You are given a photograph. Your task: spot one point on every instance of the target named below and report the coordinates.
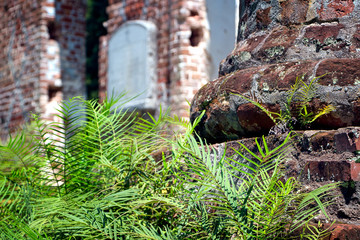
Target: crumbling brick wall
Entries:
(277, 42)
(21, 39)
(70, 23)
(43, 58)
(182, 33)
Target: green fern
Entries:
(259, 207)
(106, 173)
(300, 95)
(98, 151)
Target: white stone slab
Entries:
(132, 63)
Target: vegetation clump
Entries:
(295, 113)
(100, 175)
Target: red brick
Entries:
(323, 32)
(344, 232)
(329, 170)
(336, 9)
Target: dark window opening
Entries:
(193, 13)
(51, 30)
(52, 91)
(196, 36)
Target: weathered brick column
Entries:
(278, 41)
(42, 58)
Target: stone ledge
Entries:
(320, 155)
(230, 117)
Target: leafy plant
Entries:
(107, 173)
(299, 97)
(83, 172)
(246, 196)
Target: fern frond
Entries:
(16, 209)
(150, 232)
(310, 204)
(327, 109)
(19, 148)
(19, 230)
(307, 91)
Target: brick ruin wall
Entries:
(182, 60)
(21, 40)
(43, 58)
(70, 33)
(43, 61)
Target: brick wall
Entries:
(70, 30)
(21, 38)
(182, 35)
(43, 60)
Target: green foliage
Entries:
(9, 162)
(245, 196)
(106, 173)
(295, 112)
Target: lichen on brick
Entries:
(274, 52)
(245, 56)
(330, 43)
(265, 87)
(310, 41)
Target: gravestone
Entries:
(132, 63)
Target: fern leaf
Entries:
(327, 109)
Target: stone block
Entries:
(228, 116)
(330, 170)
(336, 9)
(347, 141)
(322, 32)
